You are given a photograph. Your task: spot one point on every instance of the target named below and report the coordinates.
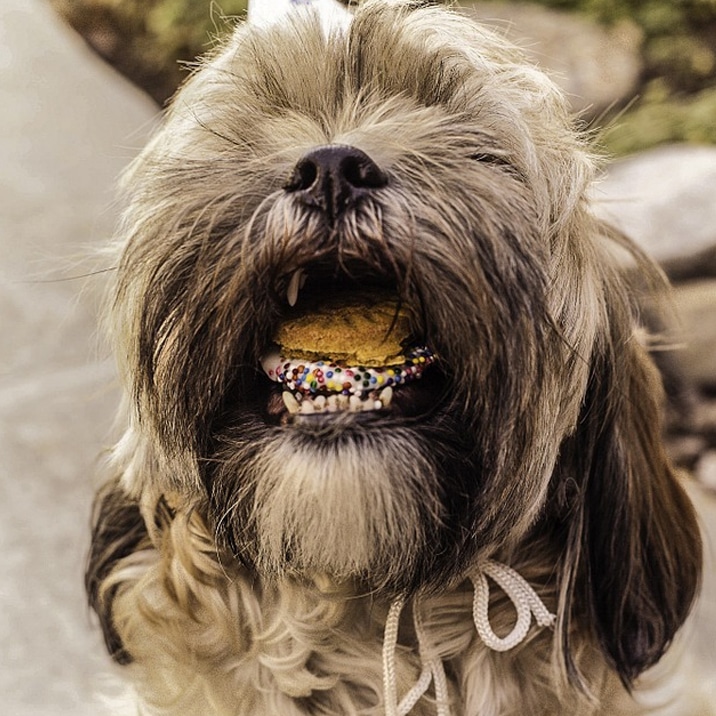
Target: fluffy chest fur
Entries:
(228, 643)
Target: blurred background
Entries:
(660, 79)
(82, 83)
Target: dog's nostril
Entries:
(333, 177)
(303, 177)
(360, 171)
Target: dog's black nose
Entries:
(334, 177)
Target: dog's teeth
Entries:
(385, 396)
(297, 281)
(299, 404)
(290, 402)
(270, 362)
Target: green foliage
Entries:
(150, 40)
(679, 35)
(187, 23)
(662, 118)
(677, 102)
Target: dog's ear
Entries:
(633, 556)
(118, 530)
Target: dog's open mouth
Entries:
(349, 349)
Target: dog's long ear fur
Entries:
(118, 530)
(634, 550)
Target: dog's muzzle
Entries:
(346, 342)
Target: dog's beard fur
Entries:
(347, 494)
(538, 422)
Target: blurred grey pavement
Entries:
(68, 124)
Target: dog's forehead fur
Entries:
(397, 82)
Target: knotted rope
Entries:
(526, 602)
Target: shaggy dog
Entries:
(276, 541)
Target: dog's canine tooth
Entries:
(298, 280)
(289, 400)
(385, 396)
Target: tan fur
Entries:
(244, 561)
(222, 641)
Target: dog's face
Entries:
(416, 160)
(404, 160)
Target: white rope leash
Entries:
(390, 642)
(522, 596)
(432, 670)
(520, 593)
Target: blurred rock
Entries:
(665, 199)
(686, 450)
(705, 418)
(706, 469)
(596, 67)
(696, 309)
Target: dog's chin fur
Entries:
(328, 505)
(244, 559)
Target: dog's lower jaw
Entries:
(360, 504)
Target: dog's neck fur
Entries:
(313, 646)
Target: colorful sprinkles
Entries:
(326, 378)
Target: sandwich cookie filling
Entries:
(326, 386)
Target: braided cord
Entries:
(390, 643)
(526, 602)
(523, 597)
